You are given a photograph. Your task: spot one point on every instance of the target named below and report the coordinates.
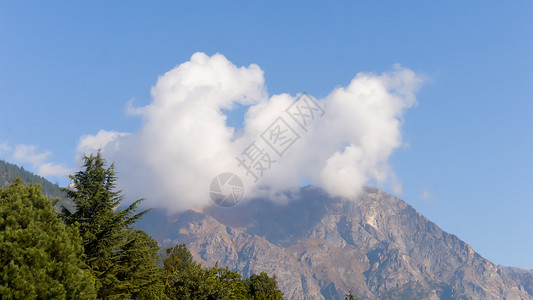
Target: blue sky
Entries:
(68, 70)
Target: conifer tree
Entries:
(138, 272)
(40, 257)
(107, 231)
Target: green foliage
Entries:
(350, 296)
(40, 257)
(137, 271)
(109, 241)
(178, 258)
(8, 173)
(263, 287)
(97, 253)
(186, 279)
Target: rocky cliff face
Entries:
(320, 248)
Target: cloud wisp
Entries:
(184, 140)
(29, 154)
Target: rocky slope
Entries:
(320, 248)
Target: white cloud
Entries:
(28, 154)
(131, 109)
(38, 160)
(426, 196)
(93, 143)
(184, 141)
(4, 148)
(52, 169)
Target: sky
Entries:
(454, 80)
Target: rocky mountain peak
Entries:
(321, 247)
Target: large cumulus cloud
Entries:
(184, 140)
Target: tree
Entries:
(186, 279)
(40, 257)
(106, 231)
(350, 296)
(263, 287)
(137, 271)
(8, 173)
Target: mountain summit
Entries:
(321, 247)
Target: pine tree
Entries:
(8, 173)
(40, 257)
(106, 231)
(137, 267)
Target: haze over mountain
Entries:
(320, 247)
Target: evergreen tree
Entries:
(40, 257)
(106, 231)
(263, 287)
(138, 273)
(8, 173)
(186, 279)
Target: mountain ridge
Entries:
(9, 172)
(321, 247)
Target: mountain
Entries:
(9, 171)
(321, 247)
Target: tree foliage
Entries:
(350, 296)
(137, 271)
(8, 173)
(263, 287)
(96, 251)
(122, 260)
(186, 279)
(40, 257)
